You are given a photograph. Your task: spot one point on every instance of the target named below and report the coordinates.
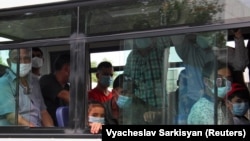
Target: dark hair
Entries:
(212, 66)
(118, 82)
(37, 49)
(92, 104)
(125, 82)
(182, 76)
(61, 60)
(104, 64)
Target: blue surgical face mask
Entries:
(123, 101)
(239, 109)
(106, 80)
(96, 119)
(143, 42)
(222, 91)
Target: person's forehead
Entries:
(22, 52)
(97, 110)
(36, 52)
(225, 72)
(107, 70)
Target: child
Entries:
(237, 101)
(96, 112)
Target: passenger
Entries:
(182, 105)
(124, 107)
(177, 99)
(203, 111)
(197, 49)
(55, 87)
(104, 76)
(96, 112)
(31, 108)
(145, 66)
(237, 100)
(37, 61)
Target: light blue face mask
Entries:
(143, 42)
(96, 119)
(222, 91)
(123, 101)
(240, 109)
(106, 80)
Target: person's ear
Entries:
(206, 81)
(97, 75)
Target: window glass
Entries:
(31, 25)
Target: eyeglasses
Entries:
(221, 81)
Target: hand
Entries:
(149, 116)
(95, 127)
(31, 124)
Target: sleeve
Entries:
(7, 99)
(49, 88)
(239, 55)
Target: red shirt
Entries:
(97, 95)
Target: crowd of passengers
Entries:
(137, 96)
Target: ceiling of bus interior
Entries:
(115, 17)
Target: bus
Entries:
(92, 31)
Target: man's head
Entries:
(62, 66)
(217, 75)
(104, 74)
(22, 56)
(237, 99)
(37, 57)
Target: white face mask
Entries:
(24, 69)
(37, 62)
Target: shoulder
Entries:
(47, 78)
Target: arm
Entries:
(21, 121)
(95, 127)
(46, 119)
(240, 53)
(64, 95)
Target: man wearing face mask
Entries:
(145, 66)
(124, 107)
(237, 100)
(37, 61)
(31, 108)
(217, 78)
(104, 76)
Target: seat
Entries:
(62, 116)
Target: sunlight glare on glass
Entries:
(2, 39)
(14, 3)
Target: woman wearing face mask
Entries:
(124, 107)
(237, 101)
(216, 83)
(96, 112)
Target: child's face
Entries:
(235, 99)
(97, 112)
